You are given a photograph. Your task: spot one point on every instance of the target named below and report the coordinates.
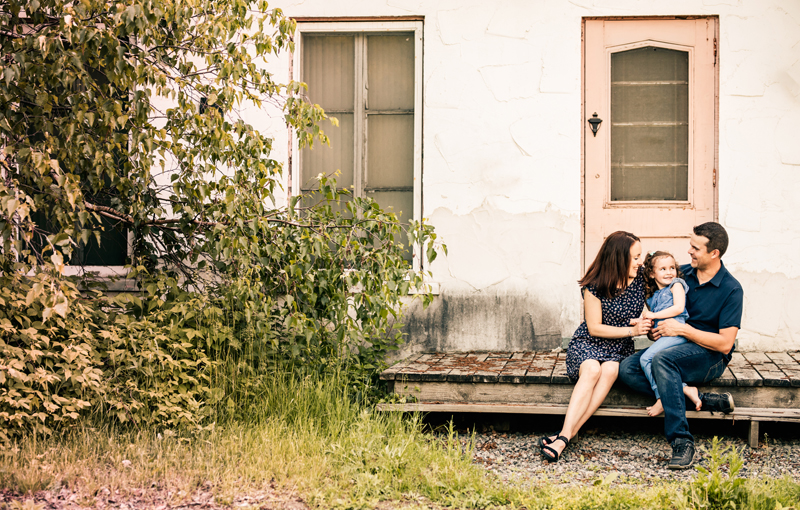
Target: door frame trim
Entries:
(716, 171)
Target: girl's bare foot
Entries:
(655, 409)
(694, 396)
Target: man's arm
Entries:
(720, 342)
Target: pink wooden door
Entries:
(650, 167)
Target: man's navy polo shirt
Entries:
(716, 304)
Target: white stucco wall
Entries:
(502, 160)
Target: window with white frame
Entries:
(368, 76)
(104, 253)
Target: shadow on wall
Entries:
(481, 322)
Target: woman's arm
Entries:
(679, 304)
(594, 321)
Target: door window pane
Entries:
(650, 125)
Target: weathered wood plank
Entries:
(745, 370)
(767, 369)
(514, 371)
(726, 379)
(460, 375)
(793, 375)
(745, 374)
(783, 359)
(560, 370)
(756, 358)
(620, 395)
(528, 355)
(788, 365)
(489, 370)
(389, 373)
(745, 413)
(541, 368)
(431, 374)
(752, 436)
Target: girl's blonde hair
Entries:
(649, 262)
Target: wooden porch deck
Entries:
(765, 386)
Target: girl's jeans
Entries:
(665, 342)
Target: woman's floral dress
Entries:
(617, 311)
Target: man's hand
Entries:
(668, 327)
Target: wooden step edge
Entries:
(741, 413)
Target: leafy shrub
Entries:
(48, 369)
(713, 489)
(65, 355)
(232, 286)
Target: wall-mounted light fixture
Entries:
(595, 122)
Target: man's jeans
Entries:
(688, 363)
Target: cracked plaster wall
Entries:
(501, 167)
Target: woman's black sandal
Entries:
(545, 440)
(556, 455)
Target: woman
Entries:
(616, 297)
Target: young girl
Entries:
(666, 298)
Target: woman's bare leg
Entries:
(588, 377)
(608, 374)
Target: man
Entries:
(714, 303)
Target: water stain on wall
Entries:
(485, 322)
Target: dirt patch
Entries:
(152, 499)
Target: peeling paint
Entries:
(502, 157)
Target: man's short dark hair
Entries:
(716, 235)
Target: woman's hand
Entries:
(641, 326)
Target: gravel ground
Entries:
(622, 457)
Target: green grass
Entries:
(308, 436)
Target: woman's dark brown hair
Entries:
(609, 271)
(650, 285)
